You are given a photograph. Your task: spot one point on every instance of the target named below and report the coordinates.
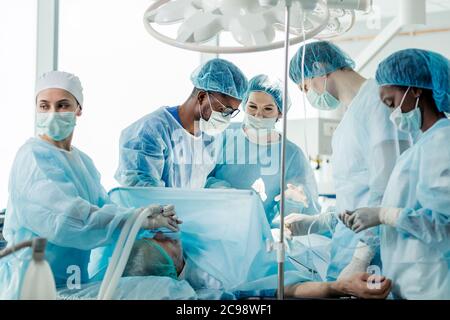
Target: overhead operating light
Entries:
(255, 25)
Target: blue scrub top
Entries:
(174, 112)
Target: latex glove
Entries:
(360, 261)
(260, 188)
(365, 218)
(297, 224)
(158, 217)
(361, 219)
(294, 193)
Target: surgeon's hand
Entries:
(297, 224)
(294, 193)
(361, 219)
(159, 217)
(366, 286)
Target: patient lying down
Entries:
(162, 255)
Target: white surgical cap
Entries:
(60, 80)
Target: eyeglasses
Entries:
(227, 111)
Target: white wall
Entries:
(434, 38)
(17, 75)
(272, 63)
(125, 72)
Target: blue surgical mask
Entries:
(409, 122)
(162, 266)
(56, 125)
(259, 123)
(324, 101)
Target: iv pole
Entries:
(281, 247)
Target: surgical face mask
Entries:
(216, 124)
(409, 122)
(56, 125)
(259, 123)
(324, 101)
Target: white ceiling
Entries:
(390, 7)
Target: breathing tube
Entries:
(122, 251)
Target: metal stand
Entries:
(280, 246)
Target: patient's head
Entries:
(161, 255)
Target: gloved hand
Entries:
(364, 218)
(360, 261)
(295, 193)
(297, 224)
(158, 217)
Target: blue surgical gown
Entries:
(248, 165)
(156, 151)
(57, 195)
(365, 149)
(416, 252)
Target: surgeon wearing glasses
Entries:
(177, 146)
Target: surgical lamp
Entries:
(38, 281)
(254, 26)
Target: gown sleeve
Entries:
(299, 173)
(142, 158)
(46, 201)
(429, 220)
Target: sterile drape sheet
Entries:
(224, 233)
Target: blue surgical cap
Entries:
(420, 69)
(220, 76)
(321, 58)
(272, 87)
